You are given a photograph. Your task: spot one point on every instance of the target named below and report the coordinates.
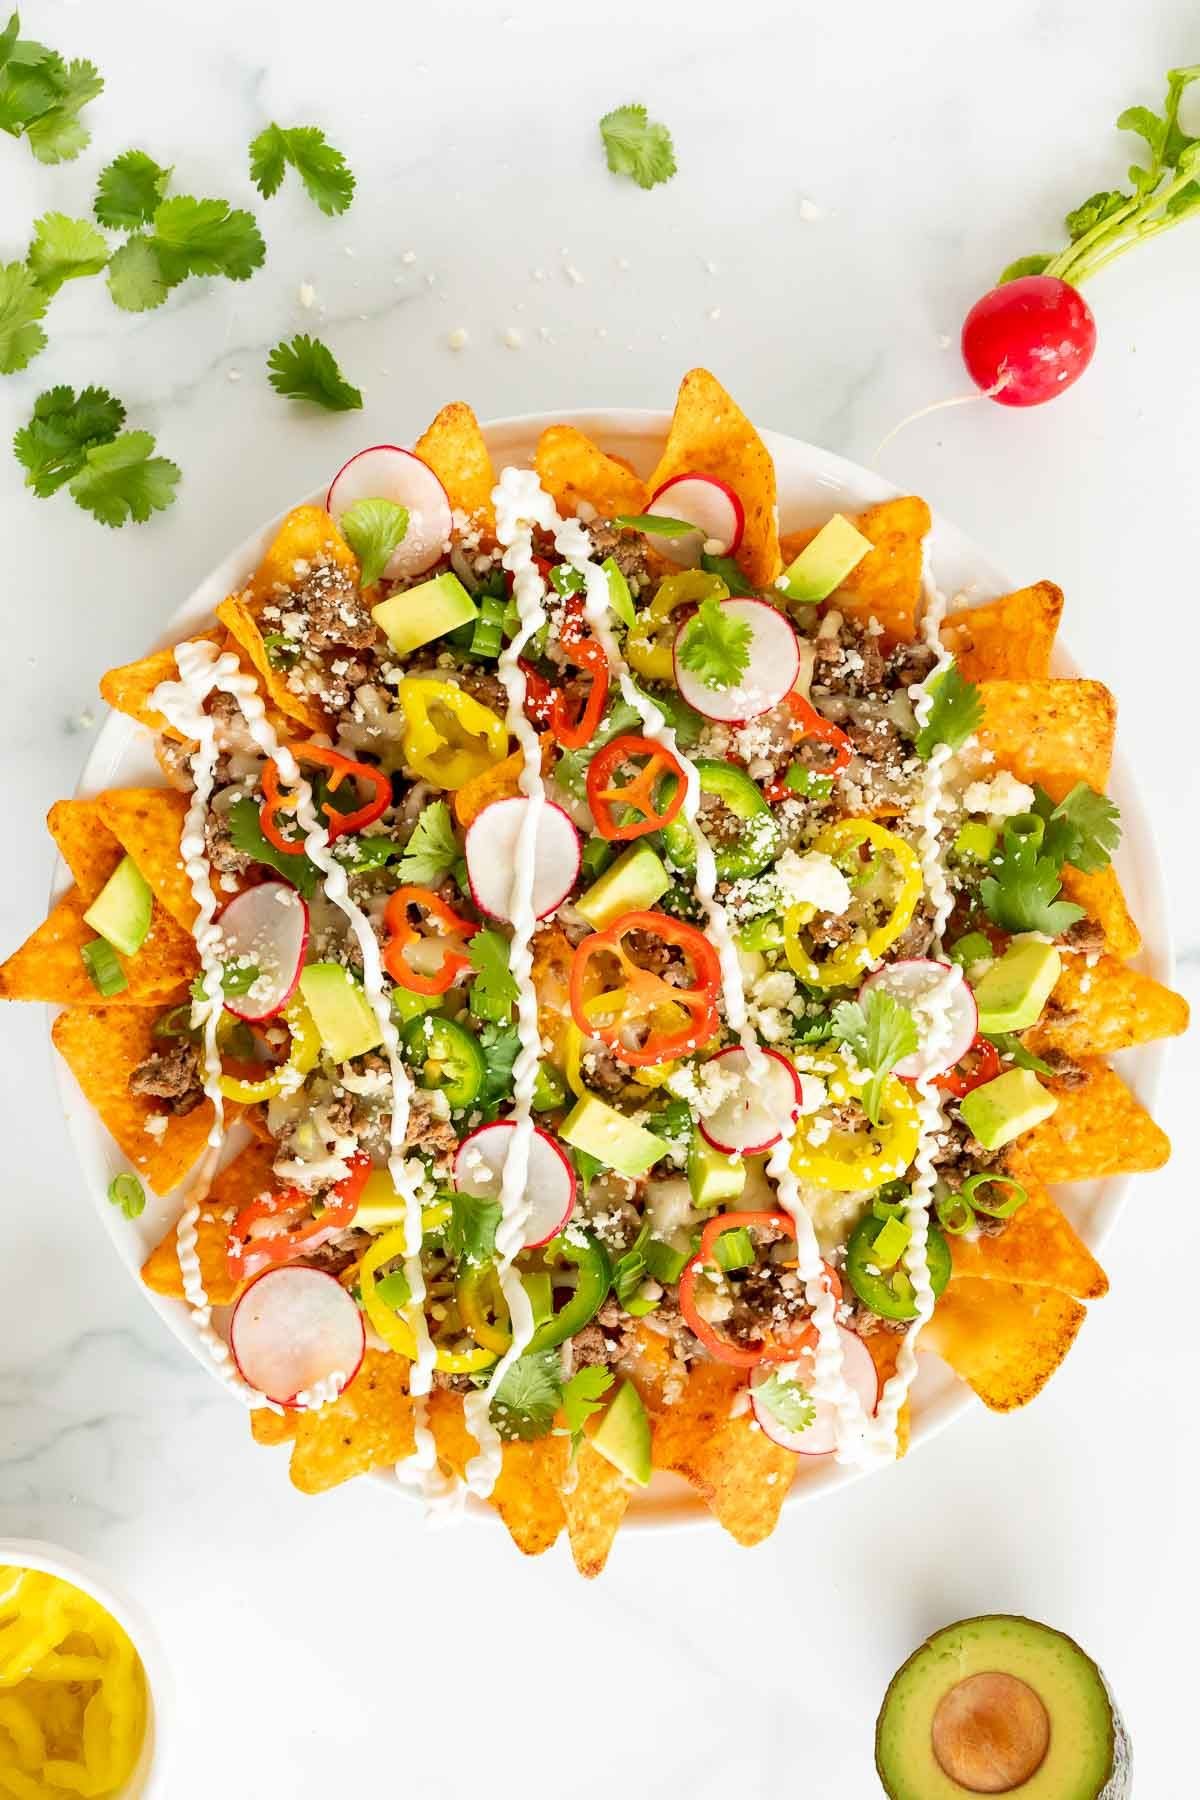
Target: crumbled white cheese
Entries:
(1003, 795)
(813, 879)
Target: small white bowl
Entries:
(149, 1778)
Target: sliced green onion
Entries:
(972, 949)
(765, 933)
(101, 962)
(974, 1185)
(653, 525)
(975, 842)
(1026, 828)
(487, 636)
(127, 1192)
(177, 1023)
(735, 1250)
(888, 1209)
(548, 1088)
(666, 1264)
(955, 1215)
(891, 1241)
(407, 1006)
(639, 1305)
(540, 1288)
(394, 1290)
(803, 780)
(619, 596)
(597, 854)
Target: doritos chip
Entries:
(1011, 637)
(238, 1183)
(1101, 898)
(238, 616)
(1052, 732)
(368, 1426)
(1102, 1006)
(884, 1347)
(527, 1494)
(1038, 1245)
(85, 843)
(147, 822)
(740, 1473)
(501, 782)
(886, 585)
(1004, 1338)
(103, 1045)
(1100, 1128)
(128, 689)
(595, 1498)
(49, 965)
(456, 451)
(307, 536)
(573, 469)
(710, 435)
(267, 1427)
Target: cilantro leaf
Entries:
(206, 237)
(879, 1031)
(306, 370)
(64, 249)
(246, 835)
(136, 282)
(63, 428)
(715, 645)
(528, 1397)
(956, 712)
(373, 529)
(129, 191)
(788, 1401)
(41, 96)
(22, 304)
(322, 169)
(493, 991)
(58, 135)
(1010, 1045)
(1021, 892)
(637, 147)
(124, 480)
(730, 574)
(653, 525)
(471, 1228)
(432, 850)
(683, 719)
(582, 1398)
(500, 1045)
(1083, 829)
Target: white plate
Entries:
(812, 484)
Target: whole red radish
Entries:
(1028, 340)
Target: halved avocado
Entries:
(1001, 1705)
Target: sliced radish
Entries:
(385, 472)
(708, 504)
(748, 1120)
(770, 673)
(491, 851)
(549, 1182)
(920, 984)
(819, 1438)
(297, 1336)
(266, 926)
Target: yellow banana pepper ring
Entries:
(393, 1327)
(449, 737)
(849, 1160)
(302, 1056)
(840, 842)
(648, 648)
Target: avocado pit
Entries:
(990, 1733)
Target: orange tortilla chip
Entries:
(368, 1426)
(742, 1476)
(1005, 1339)
(85, 843)
(527, 1494)
(103, 1045)
(595, 1497)
(1052, 732)
(148, 823)
(886, 585)
(1101, 898)
(238, 616)
(884, 1347)
(238, 1183)
(573, 469)
(1100, 1007)
(711, 435)
(456, 451)
(1100, 1128)
(648, 1363)
(49, 965)
(501, 782)
(267, 1427)
(1011, 637)
(128, 689)
(1038, 1245)
(308, 535)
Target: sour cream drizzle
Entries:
(521, 503)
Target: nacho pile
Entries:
(758, 901)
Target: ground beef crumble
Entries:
(172, 1076)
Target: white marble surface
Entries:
(324, 1646)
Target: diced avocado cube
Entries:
(1012, 993)
(1001, 1110)
(824, 564)
(623, 1435)
(421, 613)
(380, 1206)
(634, 882)
(712, 1176)
(341, 1011)
(619, 1143)
(121, 910)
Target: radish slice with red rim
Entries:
(770, 673)
(267, 928)
(819, 1438)
(922, 984)
(746, 1121)
(386, 472)
(550, 1182)
(708, 504)
(297, 1336)
(491, 852)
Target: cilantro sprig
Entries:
(528, 1397)
(715, 645)
(787, 1400)
(493, 991)
(76, 439)
(471, 1228)
(637, 146)
(1083, 829)
(1163, 189)
(42, 96)
(306, 369)
(129, 191)
(582, 1398)
(956, 712)
(1021, 892)
(374, 529)
(22, 307)
(64, 249)
(323, 170)
(879, 1031)
(432, 850)
(181, 237)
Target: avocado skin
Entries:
(1118, 1784)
